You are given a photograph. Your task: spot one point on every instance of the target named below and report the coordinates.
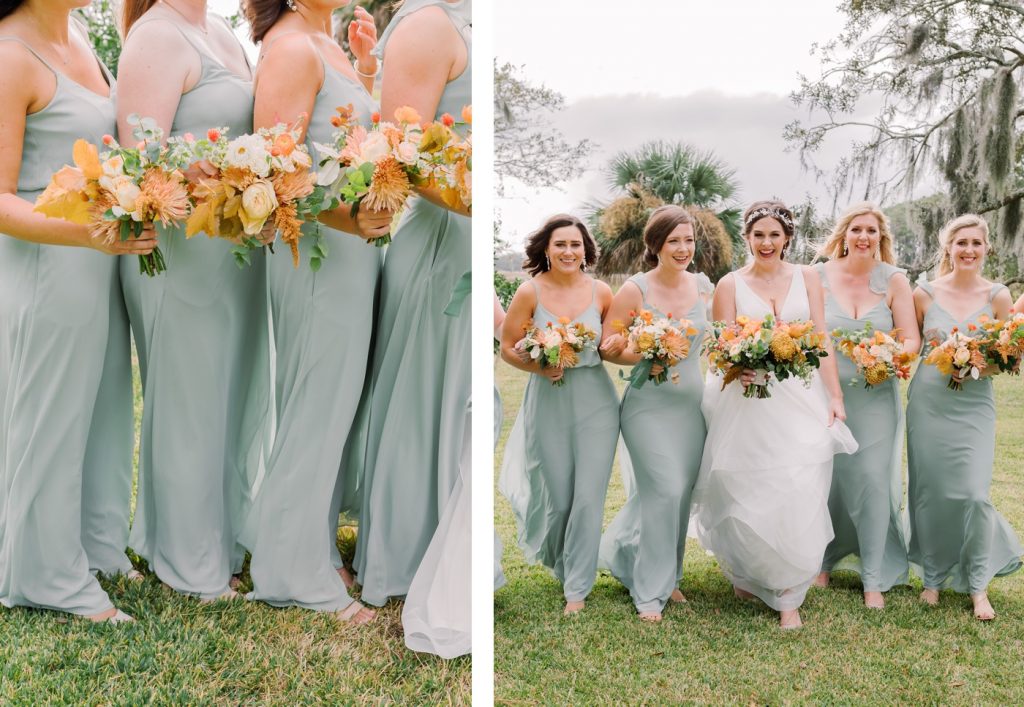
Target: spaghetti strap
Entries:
(172, 23)
(996, 287)
(22, 42)
(593, 292)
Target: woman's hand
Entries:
(836, 410)
(362, 39)
(614, 345)
(656, 370)
(268, 234)
(522, 353)
(748, 377)
(553, 373)
(145, 244)
(373, 224)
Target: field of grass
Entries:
(180, 651)
(719, 649)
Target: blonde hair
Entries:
(834, 246)
(946, 238)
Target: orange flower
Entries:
(467, 114)
(162, 196)
(389, 187)
(564, 320)
(284, 145)
(448, 120)
(407, 114)
(87, 159)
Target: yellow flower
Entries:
(645, 341)
(258, 202)
(783, 347)
(876, 374)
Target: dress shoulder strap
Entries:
(37, 55)
(457, 13)
(640, 280)
(996, 287)
(822, 275)
(878, 281)
(704, 285)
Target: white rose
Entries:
(124, 191)
(961, 356)
(407, 153)
(258, 202)
(374, 148)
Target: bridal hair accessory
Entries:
(771, 213)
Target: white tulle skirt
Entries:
(437, 617)
(761, 501)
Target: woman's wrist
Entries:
(367, 69)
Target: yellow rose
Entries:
(645, 341)
(258, 202)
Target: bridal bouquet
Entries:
(117, 191)
(879, 356)
(240, 185)
(959, 356)
(785, 349)
(378, 167)
(557, 346)
(1004, 344)
(658, 341)
(449, 158)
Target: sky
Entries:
(717, 75)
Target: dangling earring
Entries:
(846, 248)
(583, 268)
(291, 5)
(547, 260)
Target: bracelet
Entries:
(355, 66)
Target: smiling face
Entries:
(766, 239)
(677, 251)
(967, 249)
(565, 250)
(863, 236)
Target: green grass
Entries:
(719, 649)
(180, 651)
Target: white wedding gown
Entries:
(761, 501)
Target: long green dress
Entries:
(55, 304)
(958, 540)
(867, 486)
(663, 430)
(414, 413)
(201, 331)
(322, 325)
(558, 459)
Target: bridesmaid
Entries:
(956, 534)
(559, 455)
(322, 322)
(419, 389)
(863, 286)
(662, 426)
(55, 308)
(200, 328)
(1018, 306)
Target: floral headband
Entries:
(764, 211)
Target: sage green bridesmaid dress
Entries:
(663, 430)
(558, 459)
(201, 331)
(55, 304)
(414, 413)
(867, 486)
(322, 325)
(957, 537)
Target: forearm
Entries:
(18, 220)
(433, 195)
(511, 356)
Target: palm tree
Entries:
(668, 173)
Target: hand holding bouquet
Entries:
(557, 346)
(785, 349)
(658, 341)
(116, 192)
(879, 356)
(959, 356)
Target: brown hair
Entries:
(950, 230)
(261, 16)
(537, 244)
(774, 210)
(132, 11)
(9, 6)
(662, 221)
(833, 247)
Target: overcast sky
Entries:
(717, 75)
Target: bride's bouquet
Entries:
(658, 341)
(960, 356)
(557, 346)
(769, 347)
(117, 191)
(878, 356)
(1004, 344)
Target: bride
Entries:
(761, 500)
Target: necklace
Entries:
(182, 15)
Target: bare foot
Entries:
(789, 620)
(573, 607)
(111, 616)
(346, 577)
(677, 596)
(133, 575)
(874, 600)
(821, 580)
(742, 594)
(930, 597)
(356, 614)
(983, 610)
(229, 595)
(651, 617)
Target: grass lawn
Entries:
(719, 649)
(182, 652)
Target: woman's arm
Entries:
(829, 368)
(723, 302)
(289, 78)
(1018, 306)
(904, 313)
(614, 345)
(520, 311)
